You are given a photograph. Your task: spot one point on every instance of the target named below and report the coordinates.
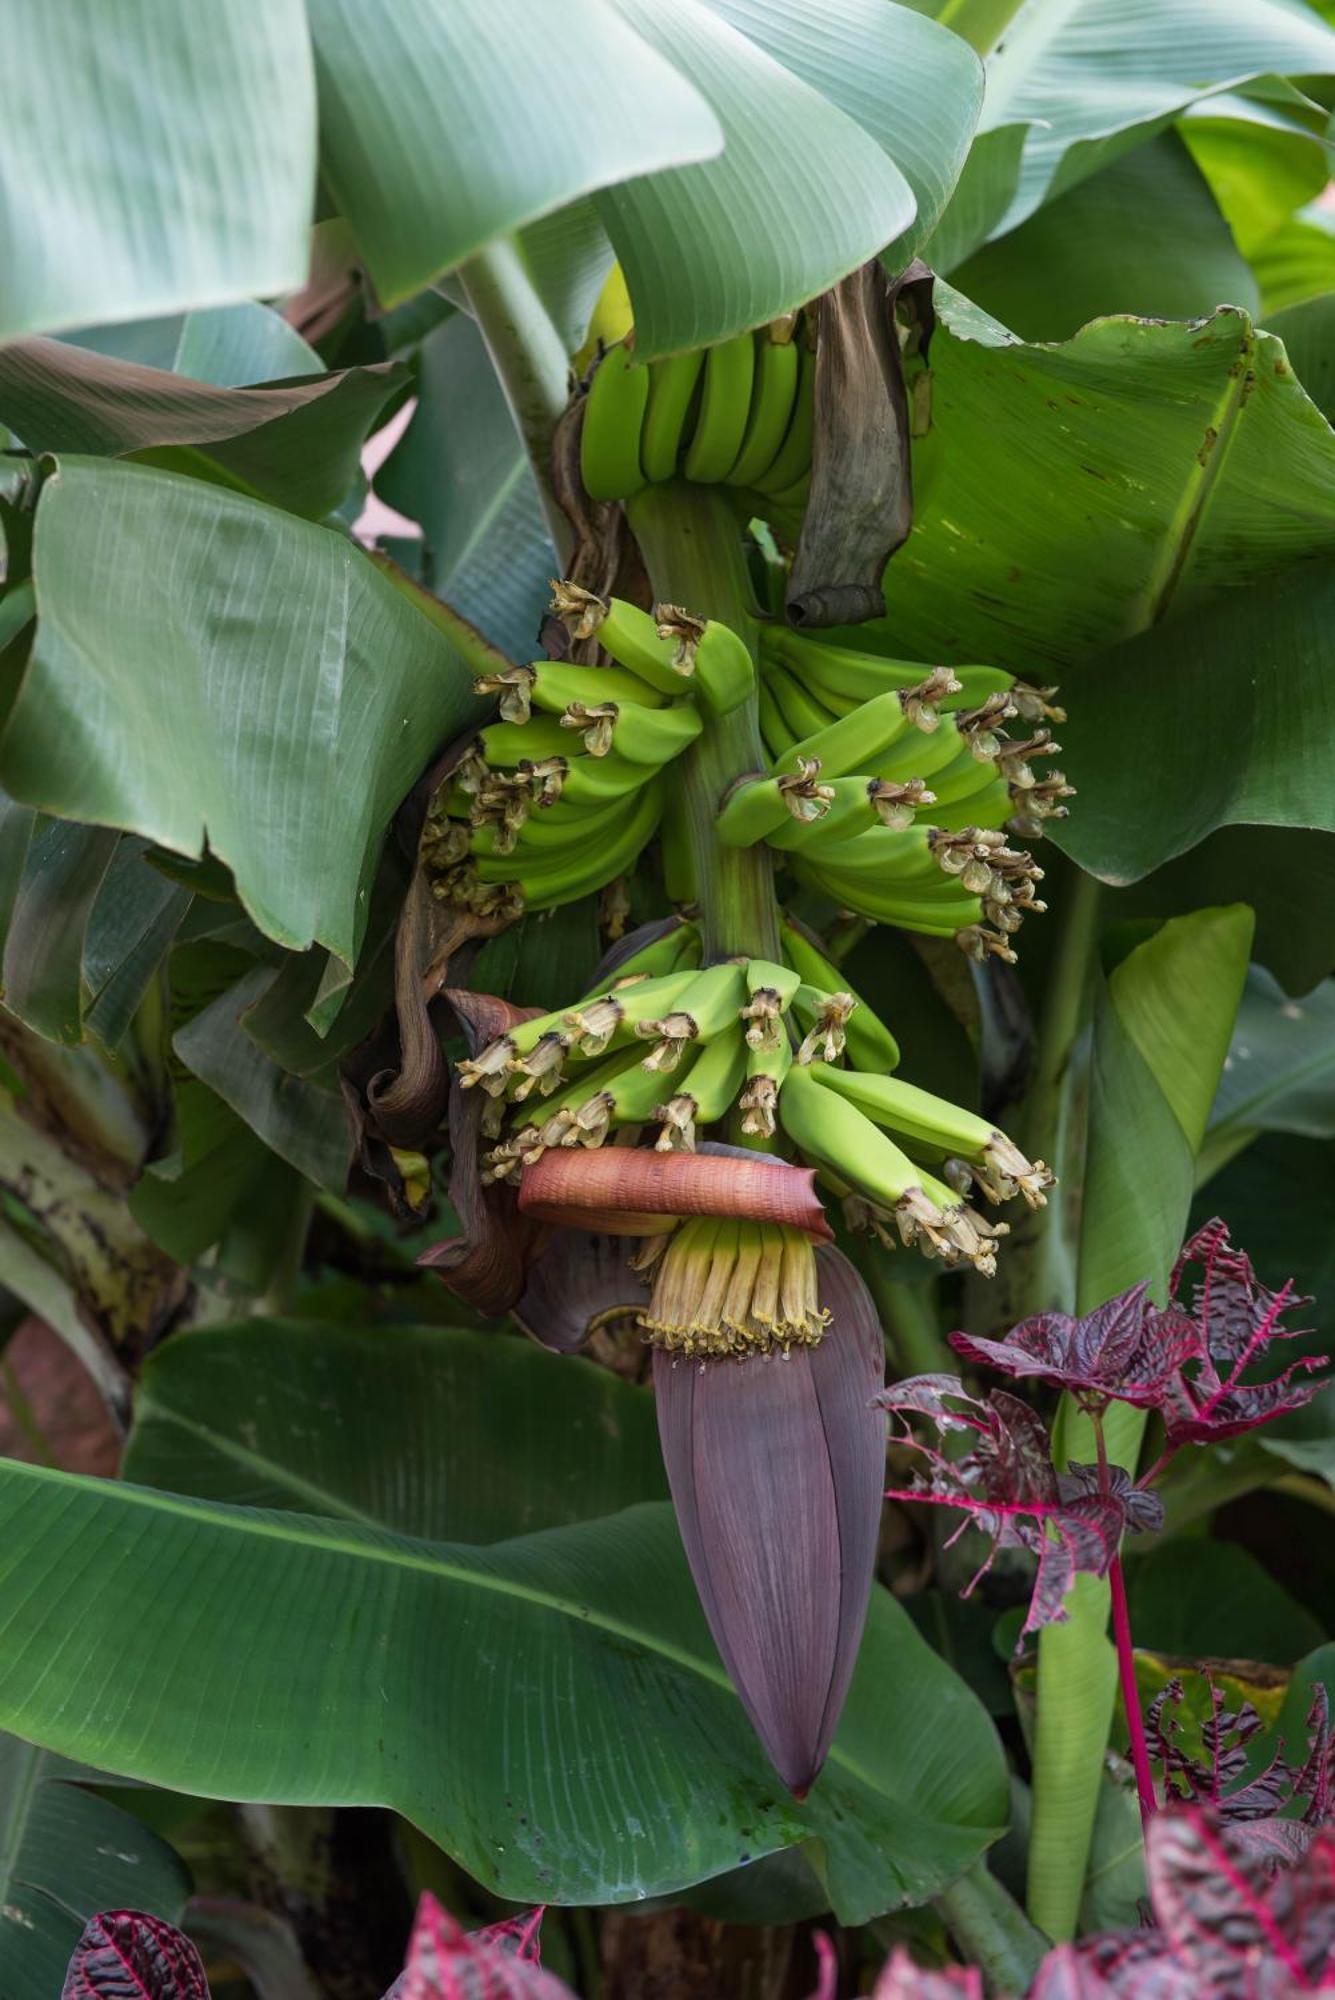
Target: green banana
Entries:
(625, 632)
(712, 1002)
(867, 1040)
(773, 398)
(725, 403)
(859, 741)
(579, 1112)
(774, 732)
(505, 745)
(672, 386)
(889, 858)
(992, 806)
(833, 1134)
(855, 676)
(609, 450)
(770, 989)
(912, 755)
(857, 805)
(556, 683)
(757, 809)
(944, 1131)
(592, 780)
(792, 461)
(717, 658)
(706, 1093)
(803, 712)
(766, 1068)
(561, 825)
(942, 918)
(652, 736)
(546, 882)
(612, 1017)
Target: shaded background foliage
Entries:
(257, 235)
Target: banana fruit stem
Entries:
(692, 548)
(530, 360)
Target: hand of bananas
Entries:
(738, 414)
(559, 797)
(672, 1044)
(895, 789)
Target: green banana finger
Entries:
(592, 780)
(706, 1093)
(778, 365)
(766, 1068)
(756, 808)
(858, 805)
(857, 742)
(830, 1132)
(867, 1040)
(803, 712)
(717, 658)
(561, 825)
(650, 736)
(857, 676)
(625, 632)
(990, 807)
(544, 882)
(505, 745)
(912, 755)
(556, 683)
(672, 386)
(771, 989)
(943, 1131)
(725, 404)
(775, 734)
(609, 450)
(792, 461)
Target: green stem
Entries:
(991, 1929)
(907, 1314)
(692, 547)
(529, 358)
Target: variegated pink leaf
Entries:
(500, 1962)
(126, 1955)
(901, 1979)
(1238, 1320)
(1247, 1930)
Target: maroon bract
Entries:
(1237, 1320)
(126, 1955)
(776, 1464)
(1008, 1486)
(1123, 1349)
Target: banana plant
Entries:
(554, 1038)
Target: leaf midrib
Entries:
(19, 1807)
(396, 1555)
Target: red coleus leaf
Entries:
(125, 1955)
(445, 1962)
(1237, 1320)
(1008, 1486)
(1218, 1778)
(776, 1464)
(1124, 1349)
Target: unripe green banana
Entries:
(828, 1131)
(992, 806)
(867, 1040)
(651, 736)
(897, 860)
(630, 636)
(609, 452)
(672, 387)
(770, 989)
(717, 658)
(725, 404)
(773, 398)
(857, 742)
(804, 713)
(858, 805)
(766, 1068)
(505, 745)
(756, 808)
(775, 734)
(914, 1114)
(856, 676)
(593, 780)
(792, 462)
(912, 755)
(964, 777)
(943, 918)
(556, 683)
(548, 880)
(560, 826)
(706, 1093)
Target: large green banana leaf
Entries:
(884, 101)
(550, 1709)
(1190, 458)
(1096, 76)
(1240, 695)
(443, 126)
(207, 668)
(294, 443)
(460, 1436)
(177, 158)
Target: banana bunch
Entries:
(738, 414)
(895, 790)
(672, 1046)
(561, 794)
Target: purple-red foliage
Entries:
(1010, 1488)
(126, 1955)
(1124, 1349)
(1257, 1806)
